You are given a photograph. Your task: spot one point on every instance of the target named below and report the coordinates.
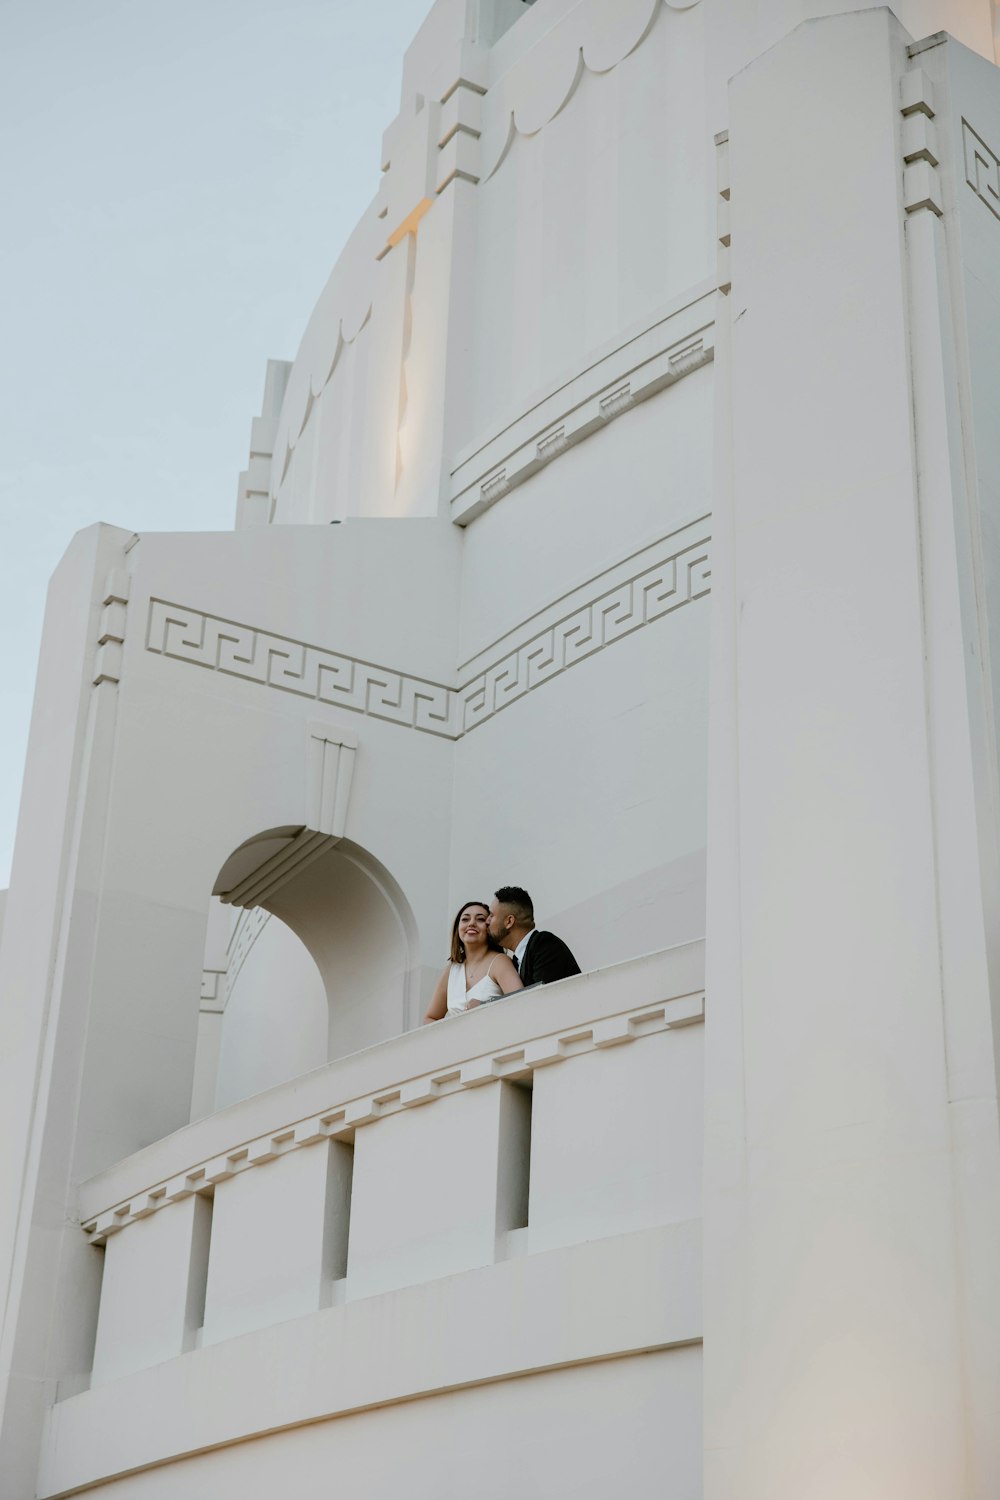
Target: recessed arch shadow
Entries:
(349, 913)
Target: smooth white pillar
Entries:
(837, 1248)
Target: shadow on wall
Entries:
(318, 963)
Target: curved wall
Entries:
(518, 336)
(563, 271)
(547, 185)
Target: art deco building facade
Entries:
(627, 526)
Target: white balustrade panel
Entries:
(279, 1236)
(616, 1140)
(437, 1188)
(153, 1289)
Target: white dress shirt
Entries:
(522, 948)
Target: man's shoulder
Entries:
(548, 958)
(548, 938)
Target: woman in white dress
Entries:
(479, 971)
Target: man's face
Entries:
(501, 921)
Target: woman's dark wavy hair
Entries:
(457, 946)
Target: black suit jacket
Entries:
(546, 959)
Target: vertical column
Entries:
(953, 260)
(49, 1276)
(833, 1335)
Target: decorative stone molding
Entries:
(460, 127)
(647, 587)
(249, 926)
(723, 256)
(254, 506)
(241, 650)
(409, 172)
(680, 339)
(111, 628)
(268, 878)
(462, 135)
(622, 599)
(213, 990)
(342, 312)
(595, 36)
(343, 1118)
(922, 187)
(982, 169)
(332, 750)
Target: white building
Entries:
(654, 400)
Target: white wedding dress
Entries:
(482, 991)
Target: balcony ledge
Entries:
(509, 1039)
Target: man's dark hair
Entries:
(517, 898)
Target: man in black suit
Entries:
(539, 957)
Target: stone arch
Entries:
(357, 928)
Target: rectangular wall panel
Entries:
(436, 1188)
(278, 1240)
(616, 1140)
(153, 1289)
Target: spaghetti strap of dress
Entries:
(482, 992)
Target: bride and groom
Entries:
(480, 971)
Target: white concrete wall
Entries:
(850, 1070)
(506, 396)
(583, 202)
(275, 1023)
(446, 1444)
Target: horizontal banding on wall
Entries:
(680, 339)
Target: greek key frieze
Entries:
(240, 650)
(657, 590)
(617, 608)
(982, 169)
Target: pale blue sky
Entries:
(178, 177)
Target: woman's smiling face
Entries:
(472, 924)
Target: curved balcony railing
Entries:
(551, 1141)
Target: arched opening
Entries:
(357, 925)
(319, 962)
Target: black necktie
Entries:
(517, 966)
